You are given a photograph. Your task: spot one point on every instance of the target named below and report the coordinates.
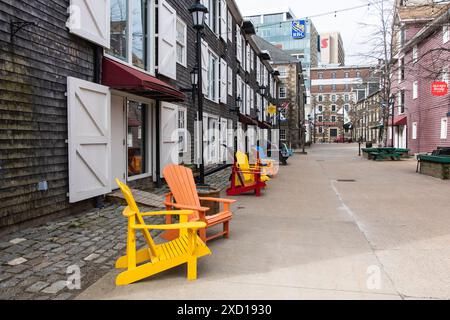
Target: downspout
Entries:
(97, 78)
(158, 182)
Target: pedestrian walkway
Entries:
(330, 226)
(36, 263)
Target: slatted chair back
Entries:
(182, 185)
(244, 165)
(135, 214)
(262, 153)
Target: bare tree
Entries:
(380, 49)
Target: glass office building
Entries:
(277, 28)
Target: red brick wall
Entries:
(426, 110)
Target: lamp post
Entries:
(392, 105)
(198, 12)
(237, 110)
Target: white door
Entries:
(118, 141)
(169, 135)
(213, 138)
(241, 138)
(89, 131)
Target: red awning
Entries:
(121, 77)
(400, 120)
(264, 125)
(247, 120)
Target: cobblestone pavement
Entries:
(37, 263)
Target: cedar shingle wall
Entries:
(33, 108)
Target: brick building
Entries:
(367, 119)
(334, 92)
(92, 91)
(422, 57)
(291, 94)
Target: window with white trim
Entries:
(415, 90)
(445, 34)
(181, 42)
(283, 135)
(211, 19)
(130, 27)
(283, 72)
(333, 118)
(182, 130)
(414, 131)
(230, 26)
(282, 92)
(444, 76)
(230, 81)
(213, 77)
(444, 128)
(333, 98)
(333, 108)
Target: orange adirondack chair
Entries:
(184, 196)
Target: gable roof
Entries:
(277, 55)
(421, 12)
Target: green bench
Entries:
(434, 166)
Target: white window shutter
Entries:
(167, 59)
(223, 139)
(223, 81)
(258, 72)
(238, 44)
(248, 58)
(230, 26)
(230, 81)
(247, 95)
(90, 20)
(223, 20)
(89, 143)
(169, 134)
(205, 66)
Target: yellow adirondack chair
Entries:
(153, 259)
(247, 169)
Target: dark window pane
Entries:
(137, 138)
(139, 34)
(119, 29)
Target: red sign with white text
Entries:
(439, 89)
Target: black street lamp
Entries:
(198, 12)
(263, 90)
(392, 105)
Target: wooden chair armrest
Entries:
(185, 207)
(229, 201)
(169, 213)
(250, 172)
(178, 226)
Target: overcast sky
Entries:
(347, 23)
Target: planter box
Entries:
(209, 193)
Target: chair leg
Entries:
(202, 234)
(226, 229)
(192, 269)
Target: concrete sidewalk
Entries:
(384, 236)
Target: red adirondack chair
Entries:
(184, 196)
